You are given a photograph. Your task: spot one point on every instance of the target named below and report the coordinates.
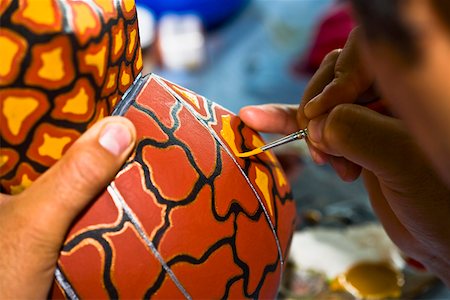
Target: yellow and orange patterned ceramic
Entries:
(63, 66)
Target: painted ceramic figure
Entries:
(185, 217)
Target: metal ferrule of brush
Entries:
(301, 134)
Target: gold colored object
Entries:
(371, 280)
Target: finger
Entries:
(351, 78)
(323, 76)
(347, 170)
(60, 194)
(359, 135)
(318, 156)
(320, 79)
(271, 118)
(382, 145)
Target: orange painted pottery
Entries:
(184, 217)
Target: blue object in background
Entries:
(212, 12)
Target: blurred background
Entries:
(246, 52)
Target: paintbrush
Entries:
(367, 99)
(299, 135)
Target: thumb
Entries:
(60, 194)
(376, 142)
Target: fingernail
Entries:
(315, 129)
(115, 138)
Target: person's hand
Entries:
(409, 199)
(341, 78)
(33, 224)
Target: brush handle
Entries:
(301, 134)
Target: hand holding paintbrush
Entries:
(369, 98)
(407, 194)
